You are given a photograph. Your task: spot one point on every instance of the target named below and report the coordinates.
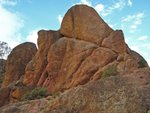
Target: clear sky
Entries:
(21, 19)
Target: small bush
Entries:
(142, 63)
(36, 93)
(1, 81)
(110, 71)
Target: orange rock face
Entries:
(37, 65)
(17, 61)
(78, 53)
(115, 41)
(115, 94)
(84, 23)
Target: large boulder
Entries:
(84, 23)
(17, 61)
(15, 69)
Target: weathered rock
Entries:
(4, 96)
(130, 61)
(80, 53)
(17, 61)
(67, 48)
(110, 95)
(73, 62)
(2, 70)
(35, 68)
(25, 107)
(84, 23)
(115, 41)
(140, 76)
(17, 91)
(141, 61)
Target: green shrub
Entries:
(142, 63)
(110, 71)
(36, 93)
(1, 81)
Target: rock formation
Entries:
(110, 95)
(72, 60)
(84, 23)
(17, 61)
(15, 68)
(78, 52)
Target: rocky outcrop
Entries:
(84, 50)
(15, 69)
(2, 70)
(83, 22)
(37, 65)
(110, 95)
(17, 61)
(115, 94)
(79, 52)
(116, 42)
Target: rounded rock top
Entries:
(84, 23)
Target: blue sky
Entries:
(21, 19)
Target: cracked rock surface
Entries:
(72, 60)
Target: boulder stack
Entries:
(76, 61)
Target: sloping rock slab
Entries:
(110, 95)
